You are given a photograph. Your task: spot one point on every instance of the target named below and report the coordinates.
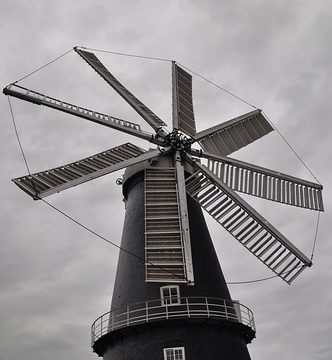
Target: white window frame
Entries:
(181, 348)
(168, 299)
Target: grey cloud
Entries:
(56, 278)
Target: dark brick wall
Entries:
(202, 340)
(130, 286)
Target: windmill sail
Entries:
(184, 218)
(48, 182)
(168, 256)
(94, 116)
(265, 183)
(183, 111)
(151, 118)
(245, 224)
(165, 252)
(234, 134)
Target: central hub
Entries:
(178, 141)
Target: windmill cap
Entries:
(135, 173)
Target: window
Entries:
(170, 295)
(176, 353)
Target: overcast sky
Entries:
(55, 277)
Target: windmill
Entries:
(165, 189)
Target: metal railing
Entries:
(181, 308)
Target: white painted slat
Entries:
(87, 114)
(234, 134)
(151, 118)
(183, 110)
(166, 249)
(246, 225)
(266, 183)
(58, 179)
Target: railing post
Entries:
(112, 320)
(101, 324)
(226, 314)
(127, 315)
(166, 310)
(188, 311)
(207, 307)
(252, 321)
(146, 311)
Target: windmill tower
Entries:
(170, 298)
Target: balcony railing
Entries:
(181, 308)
